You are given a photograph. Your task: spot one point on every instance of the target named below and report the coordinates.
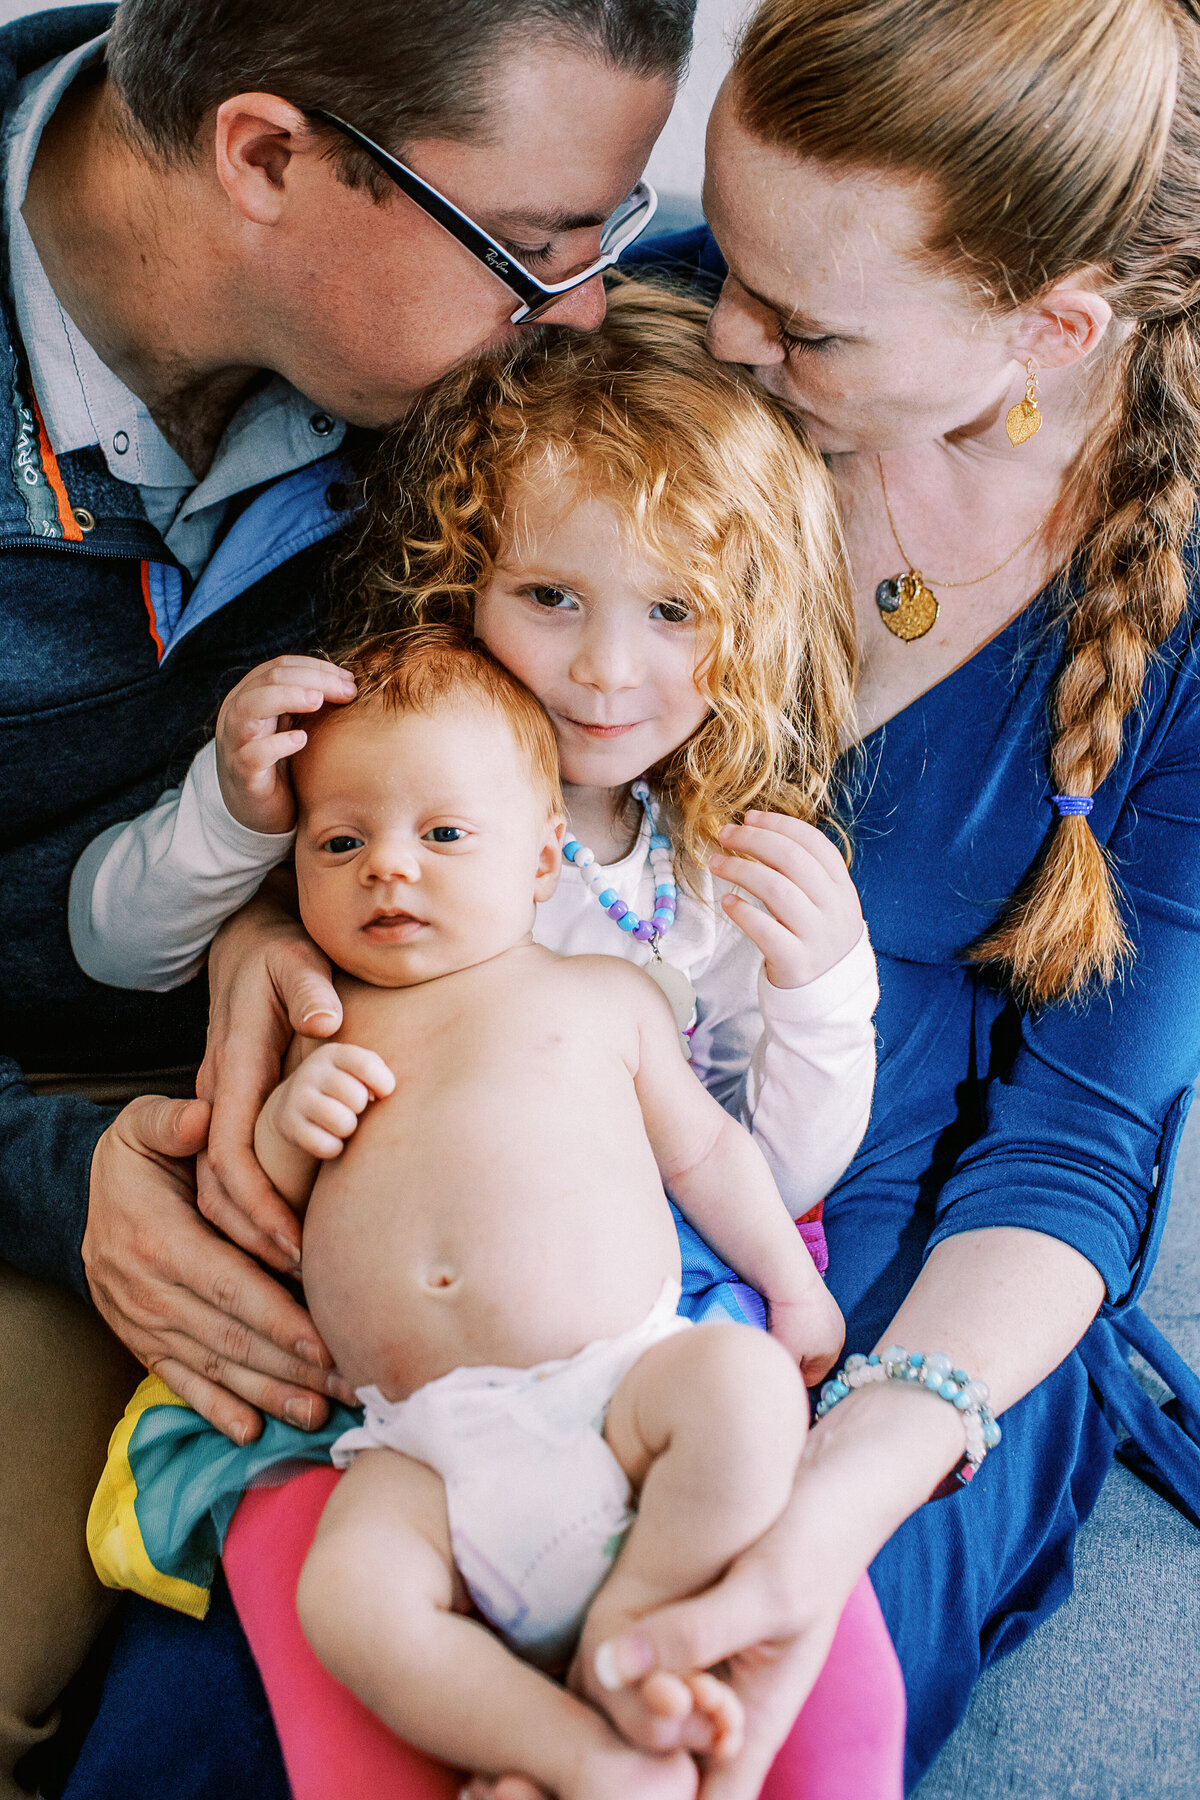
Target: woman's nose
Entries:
(740, 333)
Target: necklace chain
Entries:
(975, 579)
(666, 894)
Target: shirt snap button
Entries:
(121, 442)
(337, 496)
(321, 423)
(83, 518)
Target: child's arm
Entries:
(149, 895)
(720, 1181)
(315, 1108)
(790, 990)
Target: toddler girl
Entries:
(645, 540)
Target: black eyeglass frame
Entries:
(536, 296)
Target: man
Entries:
(216, 269)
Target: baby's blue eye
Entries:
(445, 834)
(341, 846)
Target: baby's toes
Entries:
(655, 1714)
(716, 1703)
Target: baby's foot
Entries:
(620, 1774)
(661, 1711)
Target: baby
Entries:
(489, 1252)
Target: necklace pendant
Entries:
(681, 996)
(907, 607)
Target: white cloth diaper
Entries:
(537, 1502)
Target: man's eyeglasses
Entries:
(536, 297)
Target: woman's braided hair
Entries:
(1059, 136)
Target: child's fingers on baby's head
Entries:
(259, 755)
(278, 698)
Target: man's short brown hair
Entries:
(397, 69)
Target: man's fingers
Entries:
(177, 1128)
(259, 1221)
(307, 994)
(241, 1424)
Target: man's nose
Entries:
(582, 309)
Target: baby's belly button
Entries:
(441, 1278)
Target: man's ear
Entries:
(1065, 323)
(549, 863)
(257, 138)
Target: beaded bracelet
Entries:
(935, 1375)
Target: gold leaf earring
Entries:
(1023, 419)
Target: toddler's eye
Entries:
(341, 846)
(445, 834)
(552, 598)
(673, 612)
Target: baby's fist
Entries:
(317, 1108)
(811, 1329)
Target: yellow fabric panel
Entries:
(114, 1537)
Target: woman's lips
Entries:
(392, 928)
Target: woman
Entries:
(928, 212)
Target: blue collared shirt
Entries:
(274, 431)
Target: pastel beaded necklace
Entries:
(666, 894)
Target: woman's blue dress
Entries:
(1066, 1123)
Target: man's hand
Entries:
(812, 918)
(220, 1332)
(267, 980)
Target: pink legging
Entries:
(847, 1744)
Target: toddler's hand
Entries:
(318, 1106)
(813, 916)
(811, 1329)
(251, 744)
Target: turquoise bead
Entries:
(873, 1360)
(991, 1434)
(630, 922)
(571, 849)
(949, 1390)
(916, 1359)
(609, 896)
(962, 1402)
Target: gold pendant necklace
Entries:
(907, 606)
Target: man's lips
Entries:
(392, 927)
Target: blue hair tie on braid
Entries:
(1073, 806)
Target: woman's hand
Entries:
(224, 1335)
(267, 980)
(254, 738)
(813, 916)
